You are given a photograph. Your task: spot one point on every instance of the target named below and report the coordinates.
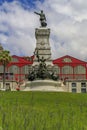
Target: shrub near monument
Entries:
(43, 111)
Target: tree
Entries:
(5, 58)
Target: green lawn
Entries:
(43, 111)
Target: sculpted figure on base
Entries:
(42, 71)
(42, 18)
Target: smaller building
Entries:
(9, 85)
(71, 68)
(76, 86)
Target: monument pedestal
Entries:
(42, 45)
(43, 85)
(42, 76)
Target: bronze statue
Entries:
(42, 63)
(42, 72)
(42, 18)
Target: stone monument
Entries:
(40, 76)
(42, 35)
(42, 44)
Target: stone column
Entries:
(42, 45)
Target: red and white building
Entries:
(67, 67)
(71, 68)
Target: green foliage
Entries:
(43, 111)
(5, 57)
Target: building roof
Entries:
(64, 60)
(21, 61)
(68, 59)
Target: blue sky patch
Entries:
(24, 3)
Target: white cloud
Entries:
(18, 27)
(67, 20)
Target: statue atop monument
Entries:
(42, 18)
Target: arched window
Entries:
(67, 69)
(25, 69)
(56, 69)
(13, 69)
(79, 70)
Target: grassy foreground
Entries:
(43, 111)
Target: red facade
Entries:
(68, 66)
(79, 67)
(14, 68)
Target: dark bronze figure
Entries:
(42, 71)
(42, 18)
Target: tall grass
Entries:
(43, 111)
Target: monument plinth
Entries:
(42, 45)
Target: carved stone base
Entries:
(43, 85)
(43, 45)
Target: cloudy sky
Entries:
(67, 20)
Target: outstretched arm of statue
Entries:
(44, 17)
(37, 13)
